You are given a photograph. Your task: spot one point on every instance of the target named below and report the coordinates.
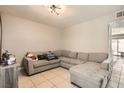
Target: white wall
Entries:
(21, 35)
(90, 36)
(0, 37)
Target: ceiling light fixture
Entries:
(55, 9)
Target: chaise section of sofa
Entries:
(88, 75)
(91, 74)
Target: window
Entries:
(121, 45)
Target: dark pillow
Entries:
(50, 56)
(41, 57)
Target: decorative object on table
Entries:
(7, 58)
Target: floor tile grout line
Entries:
(119, 78)
(120, 75)
(117, 65)
(49, 81)
(60, 82)
(42, 82)
(32, 83)
(53, 85)
(114, 68)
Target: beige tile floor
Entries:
(54, 78)
(60, 78)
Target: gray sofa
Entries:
(86, 69)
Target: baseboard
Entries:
(21, 68)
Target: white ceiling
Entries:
(70, 15)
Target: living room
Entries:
(67, 48)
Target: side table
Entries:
(9, 76)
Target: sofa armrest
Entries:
(106, 64)
(28, 66)
(104, 82)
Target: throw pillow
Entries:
(50, 56)
(32, 56)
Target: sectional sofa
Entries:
(86, 69)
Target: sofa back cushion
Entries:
(97, 57)
(65, 53)
(82, 56)
(72, 55)
(58, 52)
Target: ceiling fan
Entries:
(54, 9)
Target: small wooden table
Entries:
(9, 76)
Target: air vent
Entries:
(120, 14)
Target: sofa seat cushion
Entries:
(66, 65)
(65, 53)
(57, 53)
(65, 59)
(40, 63)
(97, 57)
(89, 73)
(71, 61)
(76, 61)
(72, 55)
